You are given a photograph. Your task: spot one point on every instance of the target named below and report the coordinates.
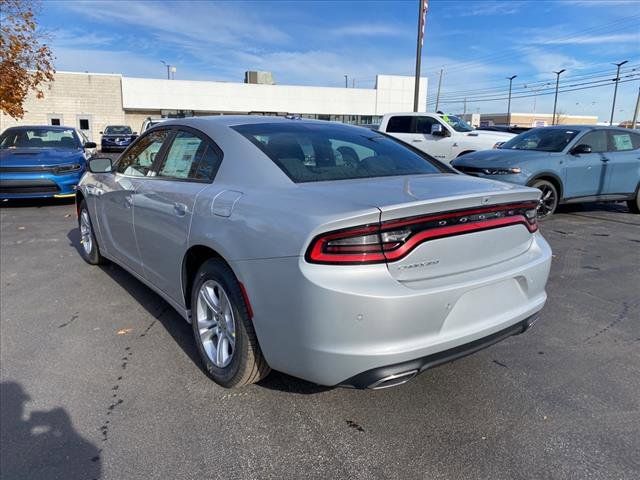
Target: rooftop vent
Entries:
(264, 78)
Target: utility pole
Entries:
(422, 14)
(636, 111)
(346, 81)
(615, 90)
(439, 85)
(171, 70)
(509, 104)
(555, 100)
(465, 106)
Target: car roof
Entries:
(235, 120)
(51, 127)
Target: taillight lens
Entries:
(392, 240)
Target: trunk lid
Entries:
(457, 223)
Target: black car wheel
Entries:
(548, 199)
(634, 205)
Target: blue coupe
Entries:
(41, 161)
(569, 164)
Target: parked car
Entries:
(150, 122)
(41, 161)
(444, 137)
(569, 164)
(326, 251)
(117, 138)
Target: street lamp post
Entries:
(346, 81)
(615, 90)
(509, 104)
(171, 70)
(555, 100)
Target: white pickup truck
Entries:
(444, 137)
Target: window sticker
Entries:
(622, 141)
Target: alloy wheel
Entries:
(86, 235)
(548, 200)
(216, 323)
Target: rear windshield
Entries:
(313, 152)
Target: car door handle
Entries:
(180, 209)
(416, 140)
(128, 202)
(604, 159)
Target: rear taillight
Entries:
(392, 240)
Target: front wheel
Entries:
(89, 245)
(223, 329)
(548, 199)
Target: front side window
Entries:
(424, 124)
(64, 139)
(399, 124)
(312, 152)
(190, 158)
(551, 139)
(457, 123)
(597, 140)
(139, 159)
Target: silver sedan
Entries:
(329, 252)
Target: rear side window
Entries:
(309, 152)
(190, 158)
(623, 141)
(399, 124)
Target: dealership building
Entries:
(90, 101)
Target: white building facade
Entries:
(91, 101)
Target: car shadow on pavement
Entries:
(36, 202)
(180, 330)
(160, 310)
(43, 446)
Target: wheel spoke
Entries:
(221, 350)
(208, 296)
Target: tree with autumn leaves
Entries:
(26, 62)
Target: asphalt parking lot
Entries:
(100, 379)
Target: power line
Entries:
(529, 85)
(539, 94)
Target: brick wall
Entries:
(97, 97)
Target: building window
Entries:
(84, 124)
(55, 121)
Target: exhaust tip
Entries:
(393, 380)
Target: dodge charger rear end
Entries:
(332, 253)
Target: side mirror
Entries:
(135, 133)
(100, 165)
(90, 145)
(582, 148)
(437, 130)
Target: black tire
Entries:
(634, 205)
(247, 364)
(90, 255)
(549, 199)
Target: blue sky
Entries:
(478, 43)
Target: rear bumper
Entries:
(26, 185)
(392, 375)
(329, 325)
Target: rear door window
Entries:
(312, 152)
(400, 124)
(623, 141)
(190, 157)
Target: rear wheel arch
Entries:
(193, 259)
(549, 177)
